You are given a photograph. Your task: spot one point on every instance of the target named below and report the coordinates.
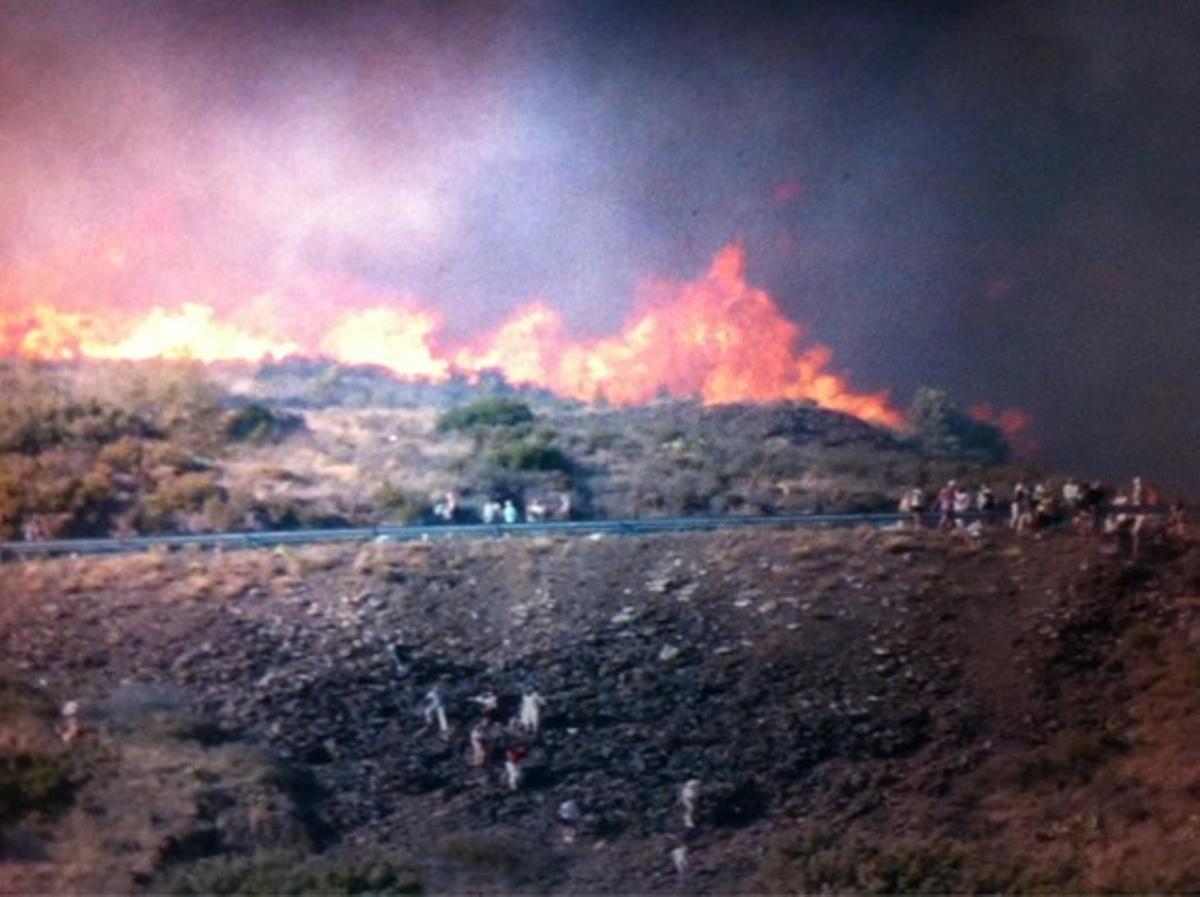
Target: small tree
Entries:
(942, 428)
(495, 411)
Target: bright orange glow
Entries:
(1013, 423)
(44, 333)
(527, 347)
(395, 338)
(716, 338)
(190, 333)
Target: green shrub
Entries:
(33, 783)
(259, 424)
(490, 412)
(943, 429)
(530, 456)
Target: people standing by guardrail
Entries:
(509, 512)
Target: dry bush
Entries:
(497, 856)
(1142, 638)
(824, 862)
(400, 504)
(268, 873)
(256, 423)
(321, 559)
(1072, 756)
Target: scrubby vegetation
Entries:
(144, 448)
(826, 862)
(495, 411)
(530, 455)
(498, 857)
(35, 775)
(258, 424)
(402, 506)
(285, 873)
(944, 429)
(1071, 757)
(31, 423)
(124, 449)
(33, 782)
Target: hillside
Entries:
(865, 711)
(100, 449)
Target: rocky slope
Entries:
(864, 711)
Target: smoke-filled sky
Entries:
(1000, 199)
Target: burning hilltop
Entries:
(716, 337)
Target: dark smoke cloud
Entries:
(999, 199)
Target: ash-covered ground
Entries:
(864, 711)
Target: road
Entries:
(409, 533)
(398, 533)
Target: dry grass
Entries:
(345, 457)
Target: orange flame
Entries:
(716, 338)
(1014, 423)
(191, 334)
(395, 338)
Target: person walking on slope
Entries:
(435, 711)
(479, 750)
(689, 794)
(679, 859)
(531, 711)
(570, 817)
(512, 767)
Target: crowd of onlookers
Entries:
(1090, 507)
(493, 510)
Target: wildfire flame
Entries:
(716, 337)
(1015, 424)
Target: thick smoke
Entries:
(999, 199)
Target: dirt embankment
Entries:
(864, 711)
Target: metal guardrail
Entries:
(408, 533)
